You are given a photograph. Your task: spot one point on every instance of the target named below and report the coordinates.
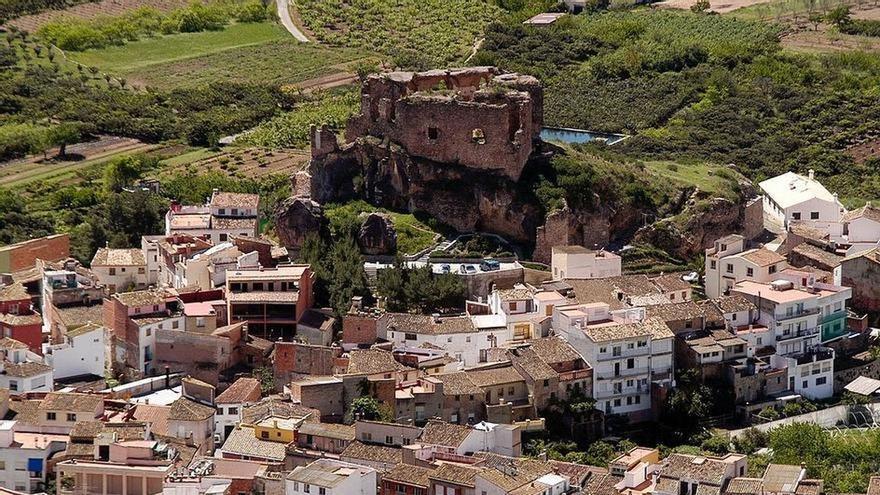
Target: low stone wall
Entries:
(826, 418)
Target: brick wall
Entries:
(359, 329)
(201, 356)
(249, 245)
(863, 275)
(753, 218)
(23, 255)
(327, 397)
(293, 358)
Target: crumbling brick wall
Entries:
(201, 356)
(474, 117)
(293, 359)
(23, 255)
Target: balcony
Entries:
(624, 353)
(607, 394)
(807, 332)
(622, 373)
(796, 314)
(813, 355)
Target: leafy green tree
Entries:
(346, 275)
(391, 284)
(121, 173)
(366, 408)
(839, 16)
(63, 134)
(700, 6)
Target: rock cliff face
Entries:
(377, 235)
(297, 217)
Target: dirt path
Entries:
(287, 21)
(326, 82)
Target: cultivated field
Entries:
(91, 10)
(258, 53)
(251, 163)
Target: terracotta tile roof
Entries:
(409, 475)
(868, 211)
(119, 257)
(676, 311)
(267, 407)
(531, 364)
(653, 327)
(14, 292)
(86, 430)
(554, 350)
(496, 376)
(817, 254)
(264, 297)
(75, 316)
(428, 325)
(157, 416)
(443, 433)
(874, 485)
(376, 453)
(577, 473)
(245, 389)
(372, 362)
(695, 468)
(328, 430)
(734, 303)
(70, 401)
(26, 369)
(516, 294)
(317, 319)
(872, 255)
(142, 297)
(235, 200)
(10, 344)
(455, 474)
(608, 290)
(808, 232)
(84, 329)
(458, 383)
(781, 477)
(762, 257)
(184, 409)
(26, 411)
(496, 471)
(670, 282)
(809, 487)
(243, 441)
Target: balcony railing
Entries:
(621, 373)
(813, 355)
(624, 353)
(606, 394)
(797, 334)
(796, 314)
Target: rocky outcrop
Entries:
(377, 235)
(297, 217)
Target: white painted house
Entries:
(82, 352)
(792, 197)
(580, 262)
(727, 262)
(861, 228)
(331, 477)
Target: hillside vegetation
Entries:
(703, 87)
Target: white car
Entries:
(467, 269)
(691, 277)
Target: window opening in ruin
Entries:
(478, 136)
(433, 133)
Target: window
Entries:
(449, 340)
(141, 271)
(478, 136)
(603, 350)
(729, 268)
(630, 363)
(672, 296)
(148, 331)
(750, 272)
(713, 264)
(638, 399)
(112, 271)
(772, 269)
(232, 410)
(50, 416)
(433, 133)
(546, 383)
(265, 434)
(805, 384)
(13, 385)
(821, 380)
(200, 321)
(306, 488)
(71, 417)
(224, 237)
(321, 491)
(642, 343)
(814, 215)
(616, 402)
(796, 215)
(511, 391)
(389, 439)
(175, 324)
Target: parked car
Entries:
(467, 269)
(445, 268)
(490, 265)
(691, 277)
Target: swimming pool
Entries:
(567, 135)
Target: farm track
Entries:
(287, 21)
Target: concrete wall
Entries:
(825, 418)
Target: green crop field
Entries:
(259, 53)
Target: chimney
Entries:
(811, 174)
(167, 377)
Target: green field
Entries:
(258, 53)
(713, 179)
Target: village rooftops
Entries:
(225, 223)
(531, 364)
(781, 478)
(817, 254)
(519, 293)
(119, 257)
(497, 470)
(71, 401)
(670, 282)
(702, 469)
(554, 350)
(496, 376)
(186, 410)
(868, 211)
(245, 389)
(429, 325)
(455, 474)
(25, 369)
(872, 255)
(10, 344)
(243, 441)
(142, 298)
(409, 475)
(375, 453)
(653, 327)
(614, 291)
(234, 200)
(687, 310)
(14, 292)
(328, 430)
(458, 383)
(734, 303)
(445, 434)
(326, 473)
(790, 189)
(762, 257)
(251, 414)
(373, 362)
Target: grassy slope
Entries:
(702, 175)
(262, 53)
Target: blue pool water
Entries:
(566, 135)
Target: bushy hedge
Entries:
(79, 34)
(863, 27)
